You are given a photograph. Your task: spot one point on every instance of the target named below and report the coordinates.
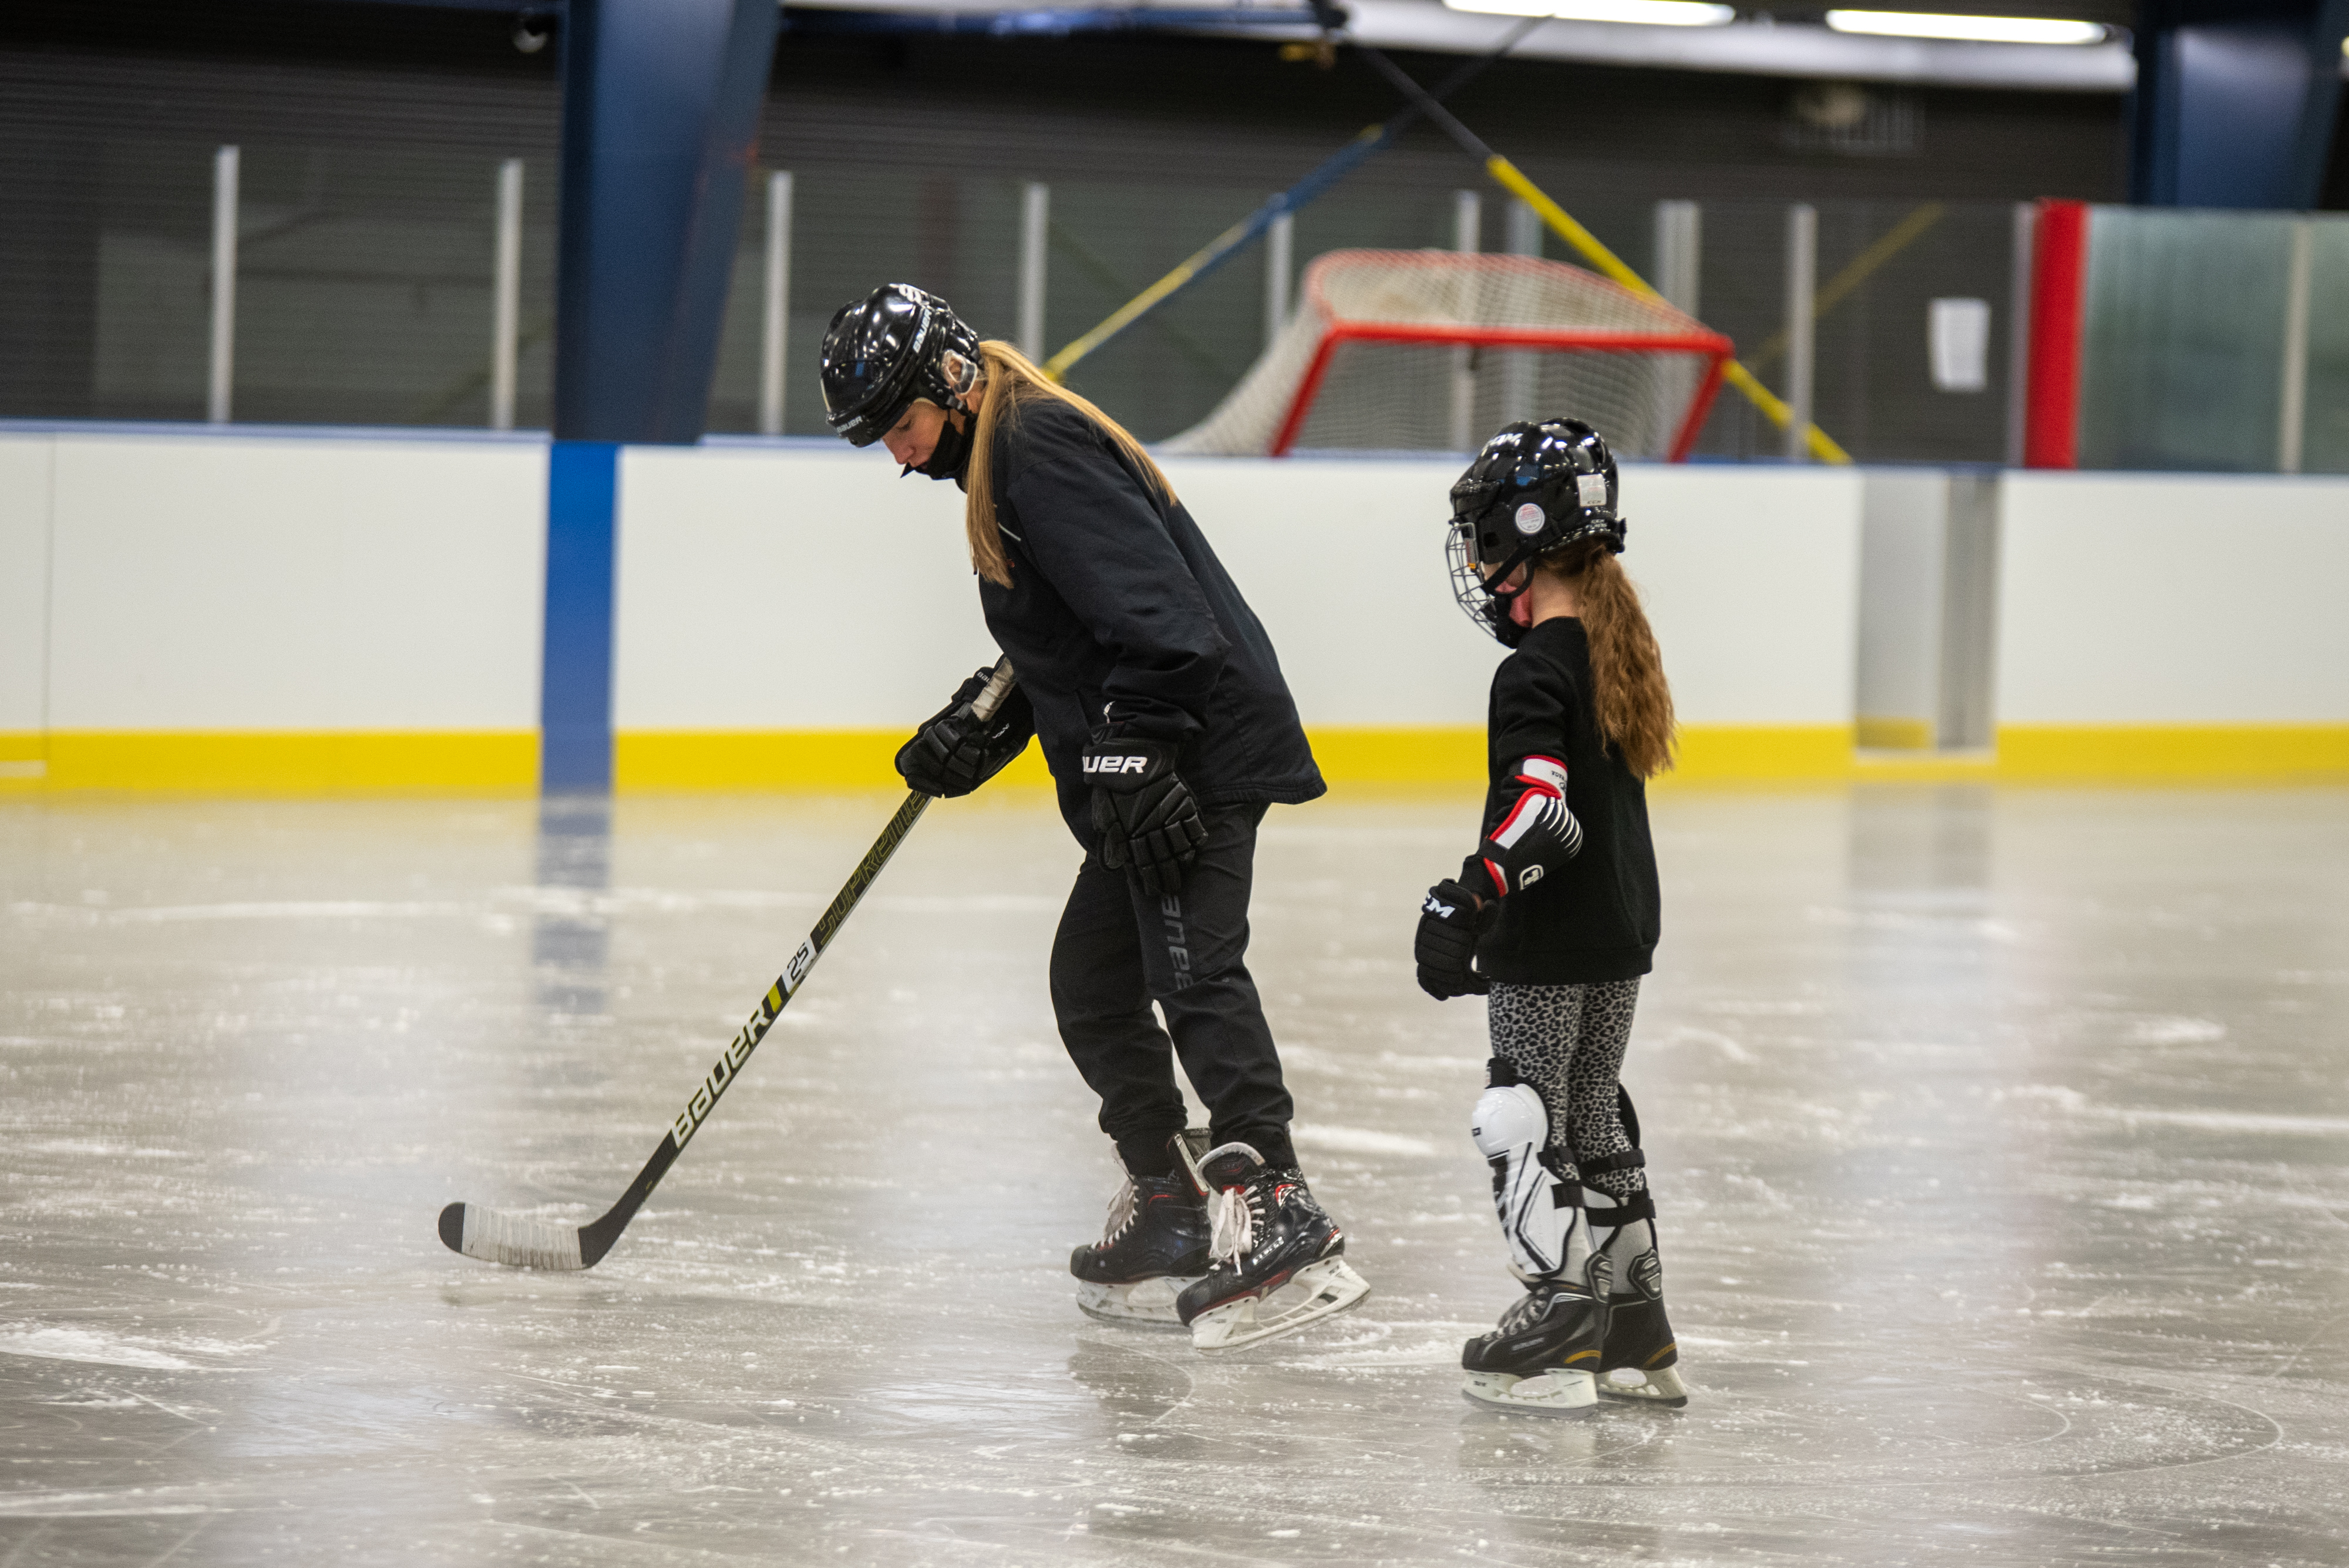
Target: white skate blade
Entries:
(1554, 1393)
(1661, 1385)
(1144, 1304)
(1315, 1291)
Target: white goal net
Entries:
(1433, 351)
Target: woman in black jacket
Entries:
(1555, 918)
(1168, 731)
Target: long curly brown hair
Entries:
(1010, 379)
(1633, 700)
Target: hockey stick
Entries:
(499, 1237)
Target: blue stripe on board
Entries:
(575, 705)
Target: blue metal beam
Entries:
(660, 120)
(2234, 101)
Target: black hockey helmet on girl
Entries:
(1536, 486)
(897, 345)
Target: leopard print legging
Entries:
(1568, 1043)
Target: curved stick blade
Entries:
(508, 1238)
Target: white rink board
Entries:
(169, 580)
(2164, 598)
(23, 582)
(295, 583)
(785, 588)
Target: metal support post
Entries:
(1035, 233)
(224, 358)
(2292, 414)
(505, 327)
(2018, 328)
(1802, 287)
(1279, 266)
(776, 338)
(1680, 242)
(1517, 367)
(1467, 239)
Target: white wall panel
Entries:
(785, 588)
(211, 582)
(25, 502)
(1343, 562)
(797, 589)
(1752, 577)
(2173, 598)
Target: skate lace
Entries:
(1232, 1222)
(1123, 1208)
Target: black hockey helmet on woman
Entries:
(1536, 486)
(897, 345)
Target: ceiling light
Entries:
(1646, 13)
(1971, 29)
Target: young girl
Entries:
(1554, 917)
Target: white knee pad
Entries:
(1540, 1215)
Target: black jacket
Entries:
(1596, 918)
(1118, 611)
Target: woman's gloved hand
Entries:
(1143, 811)
(956, 751)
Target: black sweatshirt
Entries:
(1594, 918)
(1119, 612)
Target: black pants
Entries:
(1119, 949)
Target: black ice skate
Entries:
(1153, 1249)
(1543, 1358)
(1638, 1336)
(1278, 1261)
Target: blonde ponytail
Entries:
(1009, 379)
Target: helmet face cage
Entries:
(897, 347)
(1533, 489)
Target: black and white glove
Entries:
(958, 751)
(1143, 811)
(1450, 923)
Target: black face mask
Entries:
(951, 455)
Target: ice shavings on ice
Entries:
(2076, 1104)
(2175, 1031)
(86, 1344)
(52, 1343)
(1358, 1140)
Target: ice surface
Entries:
(2001, 1140)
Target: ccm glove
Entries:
(1144, 812)
(958, 751)
(1449, 926)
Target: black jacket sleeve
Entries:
(1101, 541)
(1533, 703)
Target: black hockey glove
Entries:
(956, 751)
(1449, 926)
(1143, 811)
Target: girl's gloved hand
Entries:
(1450, 923)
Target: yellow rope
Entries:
(1512, 179)
(1895, 240)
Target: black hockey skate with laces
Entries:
(1278, 1261)
(1638, 1336)
(1154, 1247)
(1543, 1357)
